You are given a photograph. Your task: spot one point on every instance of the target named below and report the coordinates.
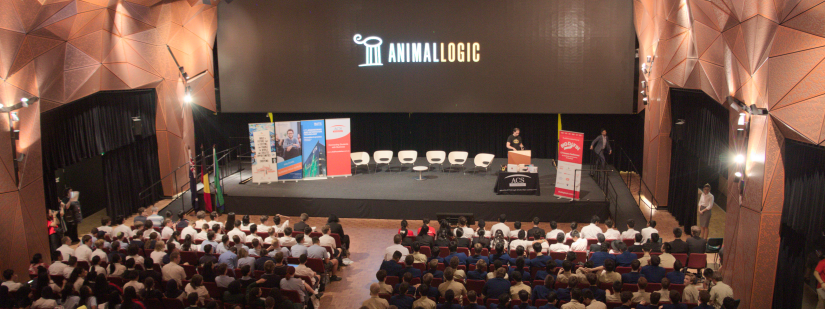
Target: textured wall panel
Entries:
(765, 53)
(62, 51)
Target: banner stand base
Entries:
(339, 176)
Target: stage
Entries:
(397, 195)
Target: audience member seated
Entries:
(575, 300)
(518, 267)
(678, 245)
(503, 302)
(559, 246)
(450, 284)
(600, 238)
(462, 241)
(458, 273)
(392, 267)
(641, 295)
(600, 257)
(653, 272)
(497, 286)
(449, 297)
(654, 241)
(541, 291)
(635, 273)
(552, 301)
(423, 301)
(383, 287)
(573, 227)
(408, 267)
(598, 293)
(432, 269)
(519, 285)
(653, 304)
(403, 299)
(675, 301)
(395, 247)
(476, 255)
(480, 273)
(609, 275)
(548, 270)
(453, 247)
(540, 260)
(704, 300)
(719, 291)
(696, 244)
(501, 226)
(591, 301)
(649, 230)
(375, 301)
(592, 230)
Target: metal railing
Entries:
(603, 181)
(624, 160)
(225, 160)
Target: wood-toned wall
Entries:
(61, 51)
(766, 53)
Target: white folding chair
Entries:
(360, 158)
(436, 157)
(457, 158)
(482, 160)
(407, 157)
(382, 157)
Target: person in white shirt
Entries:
(158, 254)
(122, 228)
(579, 244)
(275, 248)
(237, 231)
(649, 230)
(481, 225)
(70, 266)
(327, 240)
(11, 280)
(516, 229)
(56, 269)
(156, 219)
(105, 225)
(462, 224)
(168, 229)
(212, 221)
(591, 230)
(396, 247)
(705, 207)
(573, 227)
(263, 227)
(99, 245)
(203, 233)
(65, 250)
(84, 251)
(200, 215)
(555, 230)
(287, 240)
(611, 233)
(253, 230)
(630, 233)
(223, 246)
(501, 226)
(559, 246)
(245, 223)
(521, 240)
(280, 227)
(189, 230)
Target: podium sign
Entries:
(518, 157)
(571, 145)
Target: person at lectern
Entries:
(599, 146)
(515, 142)
(291, 145)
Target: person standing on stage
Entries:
(515, 142)
(599, 145)
(705, 206)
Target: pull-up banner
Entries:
(314, 151)
(568, 183)
(288, 137)
(262, 144)
(338, 147)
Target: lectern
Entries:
(518, 157)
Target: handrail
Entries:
(641, 183)
(178, 168)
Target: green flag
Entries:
(218, 188)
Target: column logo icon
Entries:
(373, 45)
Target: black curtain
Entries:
(101, 124)
(698, 151)
(129, 170)
(802, 221)
(474, 133)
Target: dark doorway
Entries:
(86, 177)
(698, 152)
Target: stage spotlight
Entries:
(187, 98)
(644, 84)
(25, 102)
(14, 116)
(644, 100)
(739, 159)
(738, 174)
(644, 94)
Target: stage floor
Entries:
(400, 185)
(396, 194)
